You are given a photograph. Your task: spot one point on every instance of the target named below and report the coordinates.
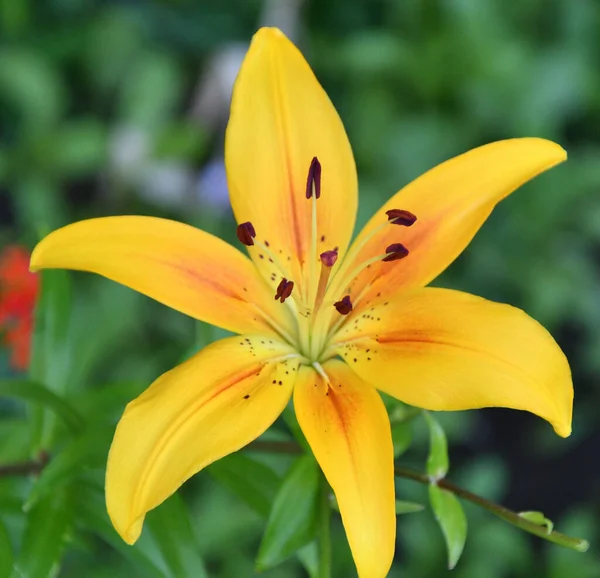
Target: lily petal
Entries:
(213, 404)
(451, 202)
(178, 265)
(280, 119)
(446, 350)
(348, 429)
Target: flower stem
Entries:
(324, 532)
(505, 514)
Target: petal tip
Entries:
(556, 152)
(128, 530)
(562, 429)
(268, 34)
(34, 260)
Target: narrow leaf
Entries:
(452, 521)
(403, 507)
(293, 519)
(401, 437)
(6, 552)
(87, 451)
(309, 558)
(42, 396)
(50, 350)
(52, 320)
(539, 519)
(47, 527)
(91, 510)
(252, 481)
(437, 462)
(172, 532)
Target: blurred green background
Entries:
(111, 108)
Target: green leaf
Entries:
(539, 519)
(6, 552)
(309, 558)
(91, 510)
(47, 527)
(87, 451)
(403, 507)
(290, 419)
(50, 353)
(77, 147)
(52, 319)
(293, 518)
(401, 437)
(437, 462)
(180, 141)
(171, 529)
(451, 519)
(252, 481)
(40, 395)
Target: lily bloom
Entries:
(18, 293)
(319, 320)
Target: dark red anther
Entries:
(344, 306)
(401, 217)
(313, 182)
(246, 233)
(328, 258)
(395, 251)
(284, 290)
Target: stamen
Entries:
(344, 306)
(313, 182)
(395, 251)
(246, 233)
(284, 290)
(395, 217)
(328, 259)
(401, 217)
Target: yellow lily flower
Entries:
(344, 323)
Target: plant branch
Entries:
(26, 468)
(505, 514)
(275, 447)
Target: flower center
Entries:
(320, 310)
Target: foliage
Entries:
(100, 113)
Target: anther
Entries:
(313, 182)
(246, 233)
(401, 217)
(395, 251)
(344, 306)
(284, 290)
(328, 258)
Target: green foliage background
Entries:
(415, 81)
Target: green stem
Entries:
(578, 544)
(324, 532)
(505, 514)
(275, 447)
(28, 468)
